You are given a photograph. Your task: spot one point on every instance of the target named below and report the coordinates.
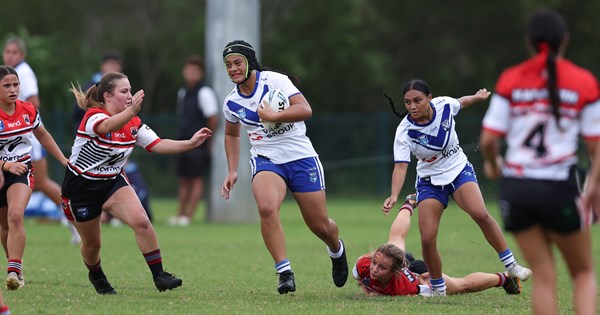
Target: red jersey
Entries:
(16, 132)
(520, 110)
(402, 283)
(102, 156)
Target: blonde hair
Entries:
(94, 96)
(397, 255)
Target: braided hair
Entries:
(546, 31)
(414, 84)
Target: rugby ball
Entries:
(278, 101)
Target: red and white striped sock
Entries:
(502, 279)
(408, 206)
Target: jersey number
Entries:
(535, 140)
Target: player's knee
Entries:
(324, 228)
(320, 230)
(428, 241)
(15, 217)
(482, 217)
(267, 211)
(142, 225)
(91, 246)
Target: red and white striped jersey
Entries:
(520, 110)
(16, 132)
(102, 156)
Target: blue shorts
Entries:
(304, 175)
(426, 190)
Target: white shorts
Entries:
(37, 150)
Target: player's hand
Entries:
(482, 94)
(265, 112)
(16, 168)
(388, 204)
(136, 102)
(200, 136)
(228, 184)
(590, 199)
(492, 169)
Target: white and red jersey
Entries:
(102, 156)
(286, 144)
(434, 144)
(16, 132)
(520, 110)
(402, 283)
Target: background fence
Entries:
(355, 148)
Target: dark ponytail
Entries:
(546, 31)
(414, 84)
(552, 86)
(399, 114)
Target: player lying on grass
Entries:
(390, 270)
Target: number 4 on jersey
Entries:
(535, 140)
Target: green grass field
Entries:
(227, 270)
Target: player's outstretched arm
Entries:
(469, 100)
(168, 146)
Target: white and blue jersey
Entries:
(434, 144)
(286, 144)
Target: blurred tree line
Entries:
(344, 51)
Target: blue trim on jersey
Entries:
(437, 142)
(427, 123)
(255, 87)
(265, 91)
(243, 114)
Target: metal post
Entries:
(229, 20)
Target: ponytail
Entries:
(399, 114)
(552, 87)
(546, 32)
(414, 84)
(88, 99)
(94, 96)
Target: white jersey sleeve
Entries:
(146, 136)
(90, 124)
(590, 120)
(287, 87)
(228, 113)
(497, 117)
(28, 82)
(402, 145)
(451, 101)
(207, 99)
